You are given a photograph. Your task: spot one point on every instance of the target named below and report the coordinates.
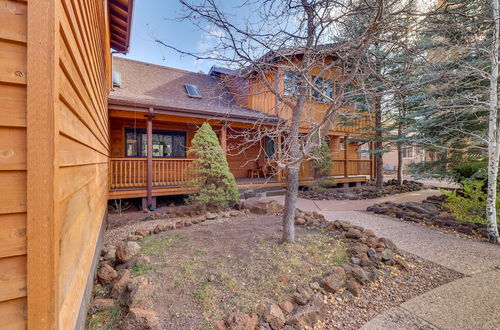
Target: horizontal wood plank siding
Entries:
(13, 274)
(82, 148)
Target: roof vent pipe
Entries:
(117, 79)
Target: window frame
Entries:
(319, 98)
(140, 131)
(273, 156)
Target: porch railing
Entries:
(353, 167)
(132, 172)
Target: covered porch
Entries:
(129, 177)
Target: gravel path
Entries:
(468, 303)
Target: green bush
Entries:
(465, 170)
(469, 203)
(216, 184)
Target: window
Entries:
(325, 86)
(193, 90)
(166, 144)
(270, 147)
(342, 143)
(291, 84)
(408, 152)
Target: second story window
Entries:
(292, 82)
(323, 89)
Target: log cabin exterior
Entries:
(55, 74)
(160, 93)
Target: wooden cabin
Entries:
(55, 75)
(167, 105)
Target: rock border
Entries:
(429, 212)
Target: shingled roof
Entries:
(161, 87)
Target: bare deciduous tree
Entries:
(306, 43)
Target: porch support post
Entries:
(372, 163)
(346, 137)
(223, 139)
(149, 134)
(279, 172)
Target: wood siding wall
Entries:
(53, 157)
(13, 21)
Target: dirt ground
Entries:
(204, 272)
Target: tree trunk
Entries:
(292, 183)
(493, 133)
(400, 164)
(379, 163)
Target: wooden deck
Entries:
(128, 176)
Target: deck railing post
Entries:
(346, 174)
(223, 139)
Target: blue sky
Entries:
(157, 19)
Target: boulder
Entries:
(287, 307)
(159, 228)
(386, 254)
(354, 287)
(211, 216)
(101, 304)
(142, 232)
(335, 280)
(240, 321)
(359, 274)
(138, 292)
(140, 319)
(303, 294)
(109, 252)
(262, 206)
(308, 314)
(234, 213)
(106, 274)
(353, 233)
(388, 243)
(274, 316)
(127, 251)
(118, 289)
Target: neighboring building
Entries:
(410, 155)
(169, 104)
(55, 75)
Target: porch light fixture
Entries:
(193, 91)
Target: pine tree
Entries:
(216, 184)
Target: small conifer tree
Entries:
(216, 184)
(322, 161)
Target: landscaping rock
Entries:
(140, 319)
(159, 228)
(303, 294)
(287, 307)
(308, 314)
(386, 254)
(274, 316)
(353, 233)
(106, 274)
(109, 252)
(118, 289)
(234, 213)
(240, 321)
(212, 216)
(262, 206)
(142, 232)
(133, 237)
(138, 292)
(336, 280)
(359, 274)
(101, 304)
(127, 251)
(354, 287)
